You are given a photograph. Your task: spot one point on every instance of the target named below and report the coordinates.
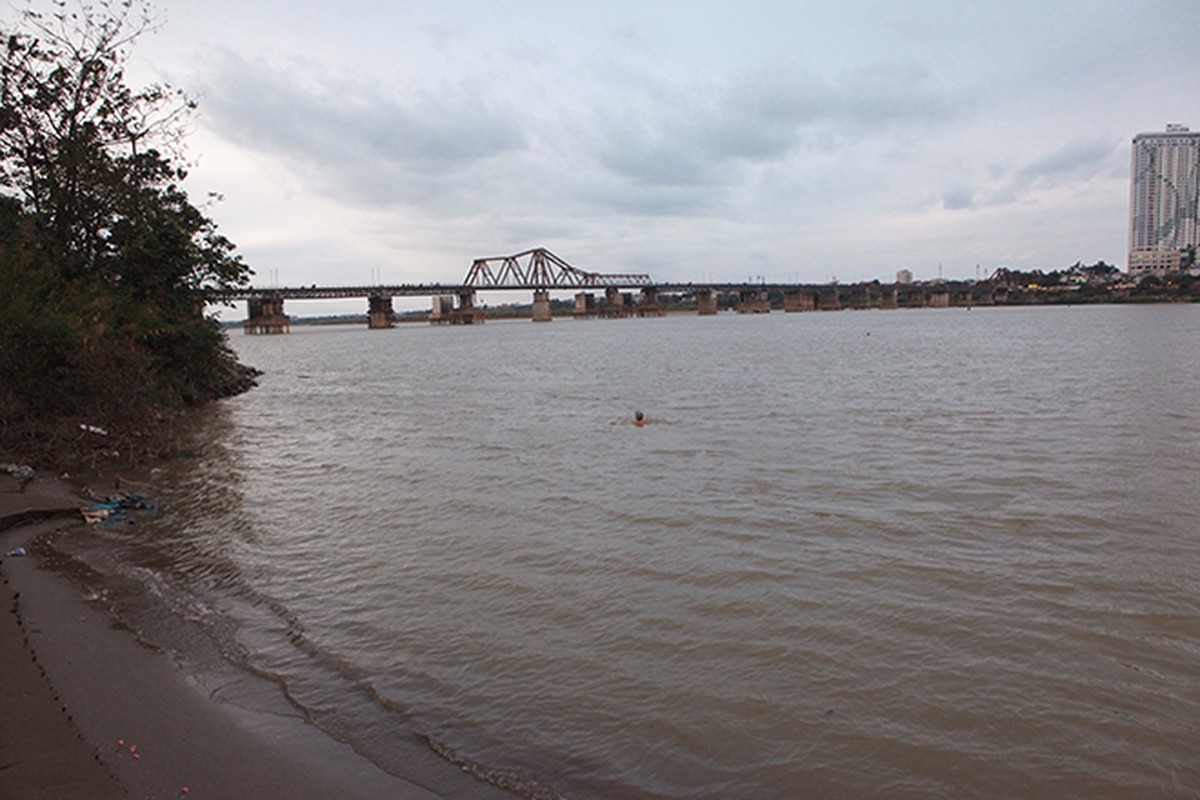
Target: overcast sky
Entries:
(368, 140)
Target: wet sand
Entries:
(88, 712)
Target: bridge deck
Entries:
(433, 289)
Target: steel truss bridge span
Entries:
(542, 269)
(532, 270)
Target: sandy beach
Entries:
(89, 712)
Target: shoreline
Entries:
(91, 712)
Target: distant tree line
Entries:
(105, 262)
(1077, 274)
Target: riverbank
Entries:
(89, 712)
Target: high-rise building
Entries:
(1164, 201)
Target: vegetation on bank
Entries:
(104, 260)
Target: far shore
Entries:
(89, 712)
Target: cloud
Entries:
(1074, 163)
(356, 142)
(1081, 158)
(958, 198)
(623, 143)
(777, 110)
(693, 149)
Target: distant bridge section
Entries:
(336, 292)
(540, 269)
(624, 294)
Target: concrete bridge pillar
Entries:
(939, 297)
(649, 306)
(829, 298)
(754, 301)
(614, 303)
(799, 300)
(706, 301)
(585, 305)
(910, 296)
(860, 297)
(265, 315)
(468, 314)
(889, 298)
(444, 312)
(380, 313)
(983, 294)
(541, 306)
(442, 307)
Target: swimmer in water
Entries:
(639, 419)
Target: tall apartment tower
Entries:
(1164, 201)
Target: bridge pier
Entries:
(649, 306)
(616, 305)
(983, 294)
(468, 314)
(706, 301)
(541, 306)
(441, 309)
(889, 298)
(265, 315)
(754, 301)
(585, 305)
(829, 298)
(799, 300)
(910, 296)
(860, 297)
(444, 312)
(939, 297)
(380, 313)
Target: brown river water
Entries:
(904, 554)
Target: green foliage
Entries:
(104, 261)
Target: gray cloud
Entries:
(654, 148)
(1075, 159)
(357, 142)
(1075, 162)
(679, 151)
(652, 160)
(774, 111)
(958, 198)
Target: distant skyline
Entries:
(398, 141)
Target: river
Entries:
(903, 554)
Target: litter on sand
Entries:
(114, 508)
(22, 472)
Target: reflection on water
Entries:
(902, 554)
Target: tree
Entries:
(105, 263)
(83, 150)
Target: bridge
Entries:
(625, 294)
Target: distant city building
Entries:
(904, 276)
(1164, 200)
